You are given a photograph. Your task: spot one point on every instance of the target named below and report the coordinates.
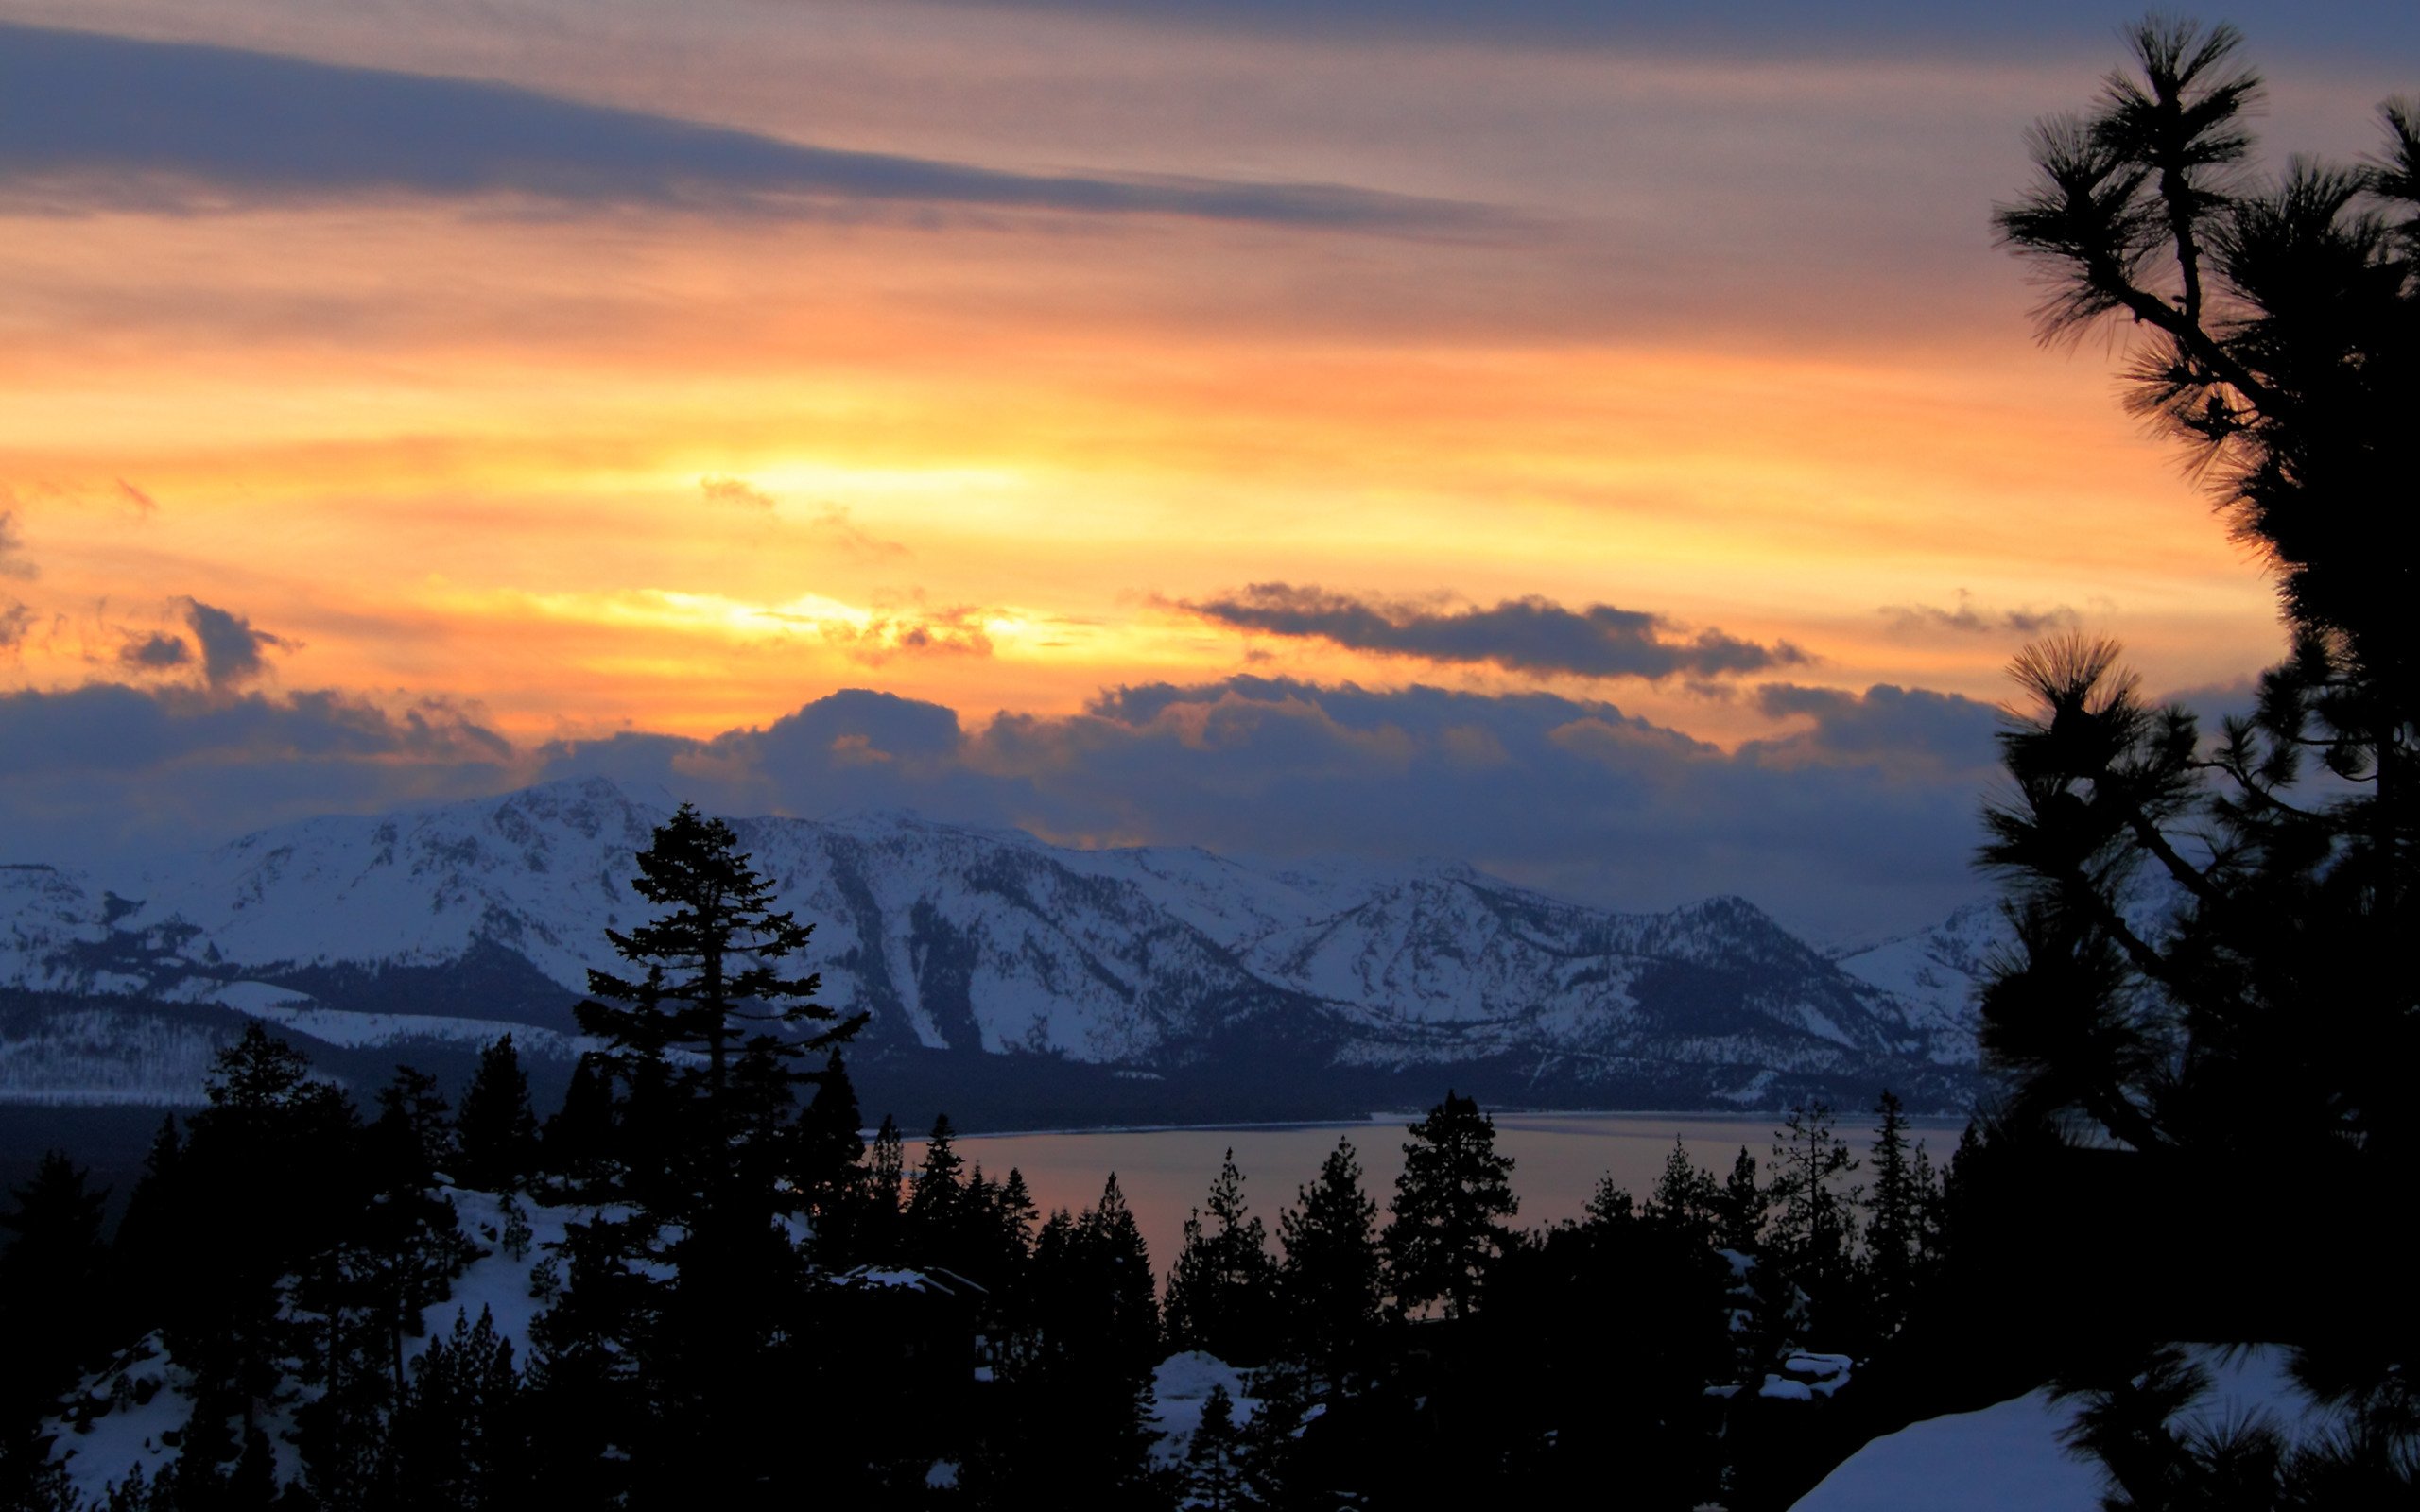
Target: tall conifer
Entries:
(497, 1129)
(1331, 1284)
(1451, 1201)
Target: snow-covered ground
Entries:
(2009, 1457)
(147, 1394)
(1181, 1388)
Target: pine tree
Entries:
(1686, 1201)
(935, 1216)
(1216, 1474)
(1813, 1222)
(1122, 1262)
(149, 1283)
(1610, 1206)
(691, 1284)
(409, 1243)
(2209, 981)
(1078, 1427)
(497, 1129)
(714, 987)
(51, 1277)
(1450, 1203)
(827, 1167)
(601, 1368)
(1220, 1289)
(274, 1175)
(1015, 1212)
(459, 1437)
(1096, 1302)
(577, 1146)
(1740, 1212)
(2277, 337)
(1894, 1231)
(1331, 1285)
(885, 1172)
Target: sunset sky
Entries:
(1600, 442)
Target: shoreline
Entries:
(1926, 1121)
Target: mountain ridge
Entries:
(1168, 961)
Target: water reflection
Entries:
(1559, 1158)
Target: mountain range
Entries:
(1014, 981)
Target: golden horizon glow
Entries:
(598, 469)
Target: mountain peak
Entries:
(971, 939)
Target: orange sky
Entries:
(1715, 335)
(660, 474)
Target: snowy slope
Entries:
(2009, 1457)
(1933, 975)
(453, 921)
(1936, 972)
(129, 1415)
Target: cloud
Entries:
(861, 719)
(1970, 619)
(1909, 728)
(737, 491)
(13, 562)
(156, 652)
(1863, 819)
(181, 126)
(956, 631)
(107, 775)
(831, 526)
(1870, 28)
(230, 648)
(1531, 634)
(15, 618)
(144, 504)
(835, 528)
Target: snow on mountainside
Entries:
(455, 921)
(1936, 972)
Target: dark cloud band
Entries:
(179, 125)
(1754, 27)
(1532, 635)
(1865, 817)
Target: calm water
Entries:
(1559, 1158)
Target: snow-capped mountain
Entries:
(1934, 974)
(448, 924)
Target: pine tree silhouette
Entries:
(496, 1127)
(1220, 1288)
(1450, 1203)
(1331, 1284)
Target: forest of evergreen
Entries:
(806, 1315)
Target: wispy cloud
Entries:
(1970, 618)
(830, 526)
(738, 492)
(1531, 634)
(13, 561)
(107, 120)
(834, 527)
(954, 632)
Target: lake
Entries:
(1558, 1159)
